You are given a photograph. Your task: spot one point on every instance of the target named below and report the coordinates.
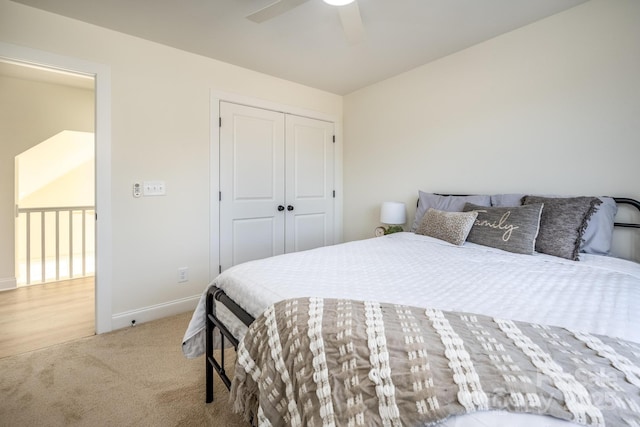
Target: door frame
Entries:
(102, 78)
(216, 96)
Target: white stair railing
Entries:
(55, 243)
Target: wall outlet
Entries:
(183, 274)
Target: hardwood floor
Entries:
(39, 316)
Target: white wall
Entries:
(160, 131)
(553, 107)
(74, 188)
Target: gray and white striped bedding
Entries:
(599, 295)
(329, 362)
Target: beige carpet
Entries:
(131, 377)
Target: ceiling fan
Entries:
(347, 9)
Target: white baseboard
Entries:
(8, 284)
(154, 312)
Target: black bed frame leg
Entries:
(208, 359)
(212, 322)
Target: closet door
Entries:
(252, 174)
(309, 183)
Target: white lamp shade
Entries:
(394, 213)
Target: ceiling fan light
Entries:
(338, 2)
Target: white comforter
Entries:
(597, 294)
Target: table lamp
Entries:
(394, 214)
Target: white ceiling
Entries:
(307, 44)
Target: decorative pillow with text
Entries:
(512, 229)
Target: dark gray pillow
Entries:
(512, 229)
(599, 233)
(563, 223)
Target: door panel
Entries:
(251, 182)
(310, 231)
(309, 183)
(254, 238)
(310, 160)
(254, 160)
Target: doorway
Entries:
(54, 178)
(101, 75)
(48, 129)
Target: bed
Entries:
(577, 289)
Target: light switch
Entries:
(153, 188)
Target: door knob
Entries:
(289, 208)
(280, 208)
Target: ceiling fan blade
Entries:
(352, 22)
(274, 9)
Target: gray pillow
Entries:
(509, 199)
(444, 203)
(562, 224)
(512, 229)
(452, 227)
(599, 233)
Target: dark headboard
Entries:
(631, 202)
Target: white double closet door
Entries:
(276, 183)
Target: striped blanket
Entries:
(322, 362)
